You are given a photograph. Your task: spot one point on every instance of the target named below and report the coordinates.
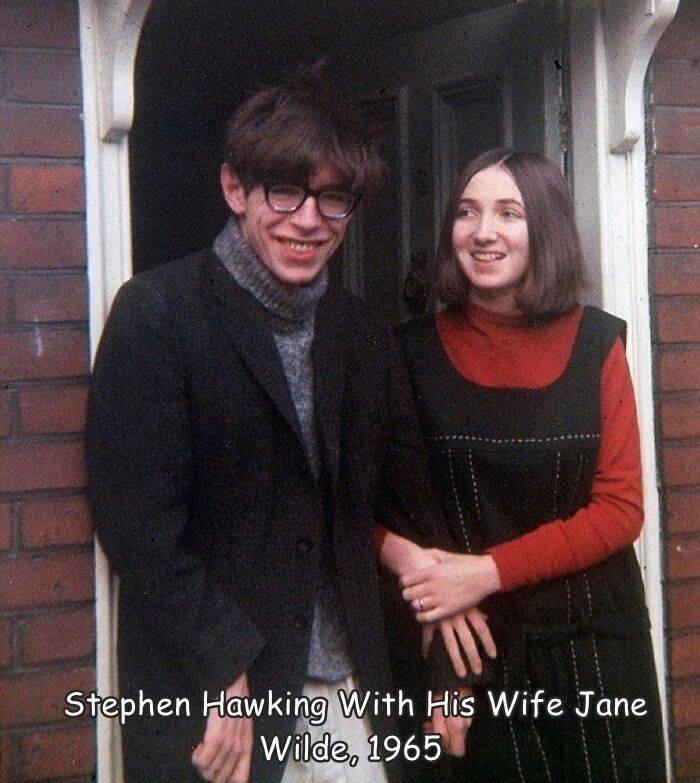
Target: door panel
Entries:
(468, 118)
(460, 87)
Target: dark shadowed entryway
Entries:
(446, 80)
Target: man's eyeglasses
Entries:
(332, 204)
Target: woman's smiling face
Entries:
(490, 238)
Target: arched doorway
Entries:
(444, 81)
(606, 49)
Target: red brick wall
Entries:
(46, 563)
(674, 161)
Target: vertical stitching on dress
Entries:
(460, 514)
(600, 680)
(556, 483)
(476, 493)
(579, 470)
(584, 742)
(538, 739)
(544, 756)
(510, 726)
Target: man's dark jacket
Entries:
(204, 500)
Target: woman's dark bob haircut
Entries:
(556, 269)
(289, 131)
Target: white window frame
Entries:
(611, 45)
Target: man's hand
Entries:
(400, 555)
(452, 729)
(223, 755)
(457, 583)
(457, 630)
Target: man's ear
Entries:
(233, 190)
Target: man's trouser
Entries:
(354, 731)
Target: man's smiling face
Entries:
(294, 246)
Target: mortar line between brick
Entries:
(15, 104)
(69, 271)
(32, 160)
(41, 49)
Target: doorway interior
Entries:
(445, 80)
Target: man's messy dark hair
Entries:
(289, 131)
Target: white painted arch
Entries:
(611, 45)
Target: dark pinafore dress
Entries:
(503, 462)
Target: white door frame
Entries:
(611, 45)
(109, 35)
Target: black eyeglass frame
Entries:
(316, 194)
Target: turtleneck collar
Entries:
(295, 303)
(478, 314)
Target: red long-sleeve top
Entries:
(497, 350)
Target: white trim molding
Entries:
(109, 34)
(115, 32)
(611, 45)
(632, 30)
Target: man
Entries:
(246, 428)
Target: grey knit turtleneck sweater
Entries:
(291, 310)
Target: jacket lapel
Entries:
(243, 319)
(330, 365)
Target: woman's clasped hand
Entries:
(455, 583)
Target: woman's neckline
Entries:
(476, 312)
(518, 322)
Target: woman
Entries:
(528, 411)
